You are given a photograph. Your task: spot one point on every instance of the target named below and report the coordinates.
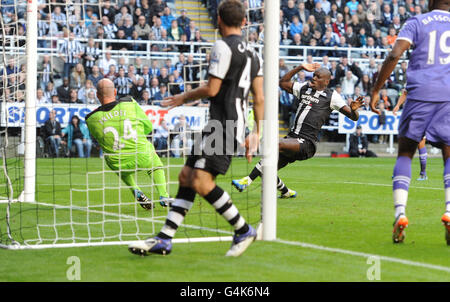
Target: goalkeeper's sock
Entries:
(159, 179)
(281, 186)
(178, 209)
(221, 201)
(256, 172)
(423, 160)
(400, 183)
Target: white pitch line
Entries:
(365, 255)
(360, 183)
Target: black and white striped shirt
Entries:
(60, 18)
(94, 52)
(110, 31)
(314, 108)
(46, 72)
(43, 28)
(123, 85)
(147, 78)
(48, 94)
(70, 49)
(80, 31)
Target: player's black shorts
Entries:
(214, 164)
(307, 150)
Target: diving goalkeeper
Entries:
(121, 128)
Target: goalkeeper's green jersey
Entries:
(121, 129)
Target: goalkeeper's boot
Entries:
(400, 224)
(423, 176)
(240, 184)
(154, 245)
(165, 201)
(241, 242)
(143, 200)
(446, 221)
(289, 194)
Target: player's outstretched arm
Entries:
(252, 140)
(352, 111)
(285, 82)
(211, 89)
(388, 66)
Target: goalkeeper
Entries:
(121, 128)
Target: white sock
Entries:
(400, 200)
(249, 180)
(447, 199)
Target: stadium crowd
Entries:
(81, 61)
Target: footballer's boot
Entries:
(165, 201)
(240, 184)
(400, 224)
(154, 245)
(289, 194)
(241, 242)
(446, 221)
(422, 177)
(143, 200)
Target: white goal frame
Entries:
(266, 229)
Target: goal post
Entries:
(30, 103)
(270, 133)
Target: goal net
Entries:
(77, 200)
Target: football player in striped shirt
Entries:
(315, 104)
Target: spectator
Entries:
(51, 132)
(40, 97)
(142, 28)
(160, 138)
(400, 75)
(182, 142)
(366, 85)
(303, 13)
(45, 72)
(138, 89)
(63, 91)
(373, 51)
(123, 84)
(167, 18)
(91, 30)
(318, 13)
(392, 36)
(73, 97)
(353, 6)
(128, 27)
(122, 15)
(91, 54)
(77, 77)
(174, 32)
(78, 134)
(370, 25)
(157, 8)
(145, 98)
(296, 27)
(107, 10)
(190, 30)
(157, 28)
(348, 84)
(91, 98)
(351, 37)
(154, 87)
(95, 76)
(174, 88)
(386, 100)
(50, 91)
(84, 91)
(386, 20)
(359, 144)
(339, 27)
(109, 28)
(183, 20)
(160, 95)
(55, 99)
(290, 11)
(296, 51)
(70, 52)
(106, 62)
(306, 35)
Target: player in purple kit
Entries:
(427, 111)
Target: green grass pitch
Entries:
(343, 210)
